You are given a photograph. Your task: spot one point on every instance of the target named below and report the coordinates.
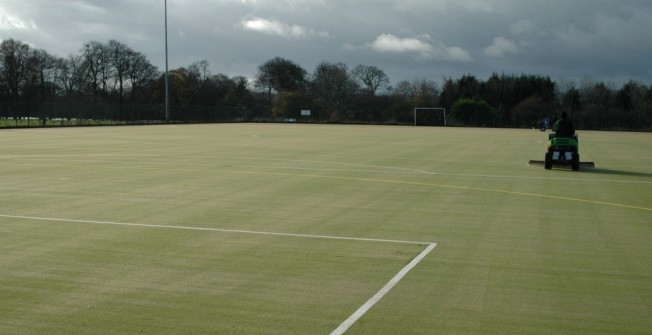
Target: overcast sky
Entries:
(601, 40)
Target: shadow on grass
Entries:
(598, 170)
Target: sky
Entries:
(571, 41)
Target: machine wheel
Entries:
(575, 163)
(547, 163)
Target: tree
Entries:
(529, 111)
(426, 93)
(332, 83)
(198, 80)
(183, 87)
(72, 75)
(15, 58)
(120, 57)
(113, 73)
(280, 75)
(498, 91)
(238, 95)
(596, 99)
(450, 93)
(468, 86)
(140, 73)
(43, 66)
(570, 102)
(200, 71)
(96, 67)
(371, 77)
(631, 106)
(404, 89)
(474, 112)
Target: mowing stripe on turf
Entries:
(373, 168)
(602, 203)
(537, 195)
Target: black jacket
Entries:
(564, 128)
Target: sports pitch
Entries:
(321, 229)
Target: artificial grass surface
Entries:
(520, 249)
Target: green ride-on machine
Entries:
(562, 152)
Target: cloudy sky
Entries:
(573, 40)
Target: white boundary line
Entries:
(239, 231)
(344, 326)
(380, 294)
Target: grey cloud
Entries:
(501, 46)
(605, 39)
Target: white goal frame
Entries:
(429, 108)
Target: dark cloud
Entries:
(409, 39)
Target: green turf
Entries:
(521, 250)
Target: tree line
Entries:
(111, 81)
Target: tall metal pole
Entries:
(167, 98)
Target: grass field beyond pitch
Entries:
(289, 229)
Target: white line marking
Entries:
(373, 300)
(239, 231)
(344, 326)
(323, 169)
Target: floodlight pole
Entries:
(167, 95)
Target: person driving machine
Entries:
(564, 127)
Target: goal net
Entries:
(430, 116)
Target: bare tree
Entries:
(119, 56)
(44, 66)
(332, 82)
(200, 71)
(15, 59)
(72, 75)
(405, 90)
(97, 67)
(371, 77)
(140, 73)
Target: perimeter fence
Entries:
(81, 114)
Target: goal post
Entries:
(416, 109)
